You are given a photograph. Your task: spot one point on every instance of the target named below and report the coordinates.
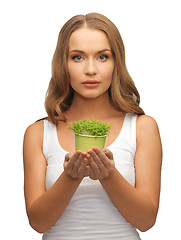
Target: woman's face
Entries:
(90, 62)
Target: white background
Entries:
(152, 37)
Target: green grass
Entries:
(90, 127)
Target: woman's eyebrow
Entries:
(104, 50)
(80, 51)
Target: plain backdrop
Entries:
(29, 31)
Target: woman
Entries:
(104, 193)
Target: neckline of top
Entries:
(118, 137)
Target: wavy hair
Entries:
(123, 93)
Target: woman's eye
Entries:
(77, 58)
(103, 58)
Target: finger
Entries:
(79, 160)
(82, 172)
(108, 153)
(93, 166)
(87, 171)
(102, 152)
(107, 165)
(72, 159)
(97, 159)
(100, 158)
(92, 175)
(110, 162)
(68, 156)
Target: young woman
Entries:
(103, 193)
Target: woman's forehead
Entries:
(85, 39)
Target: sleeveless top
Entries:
(90, 214)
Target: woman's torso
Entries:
(90, 213)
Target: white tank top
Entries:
(91, 215)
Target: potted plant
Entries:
(90, 133)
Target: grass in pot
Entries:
(90, 133)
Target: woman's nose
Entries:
(90, 67)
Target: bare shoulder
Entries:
(146, 124)
(146, 121)
(35, 127)
(146, 127)
(35, 131)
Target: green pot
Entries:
(86, 142)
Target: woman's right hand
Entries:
(75, 165)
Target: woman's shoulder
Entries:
(34, 131)
(146, 126)
(36, 126)
(145, 121)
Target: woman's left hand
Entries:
(101, 163)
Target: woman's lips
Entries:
(90, 83)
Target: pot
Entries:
(86, 142)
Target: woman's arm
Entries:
(45, 207)
(139, 204)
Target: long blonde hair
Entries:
(123, 93)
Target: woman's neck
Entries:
(84, 108)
